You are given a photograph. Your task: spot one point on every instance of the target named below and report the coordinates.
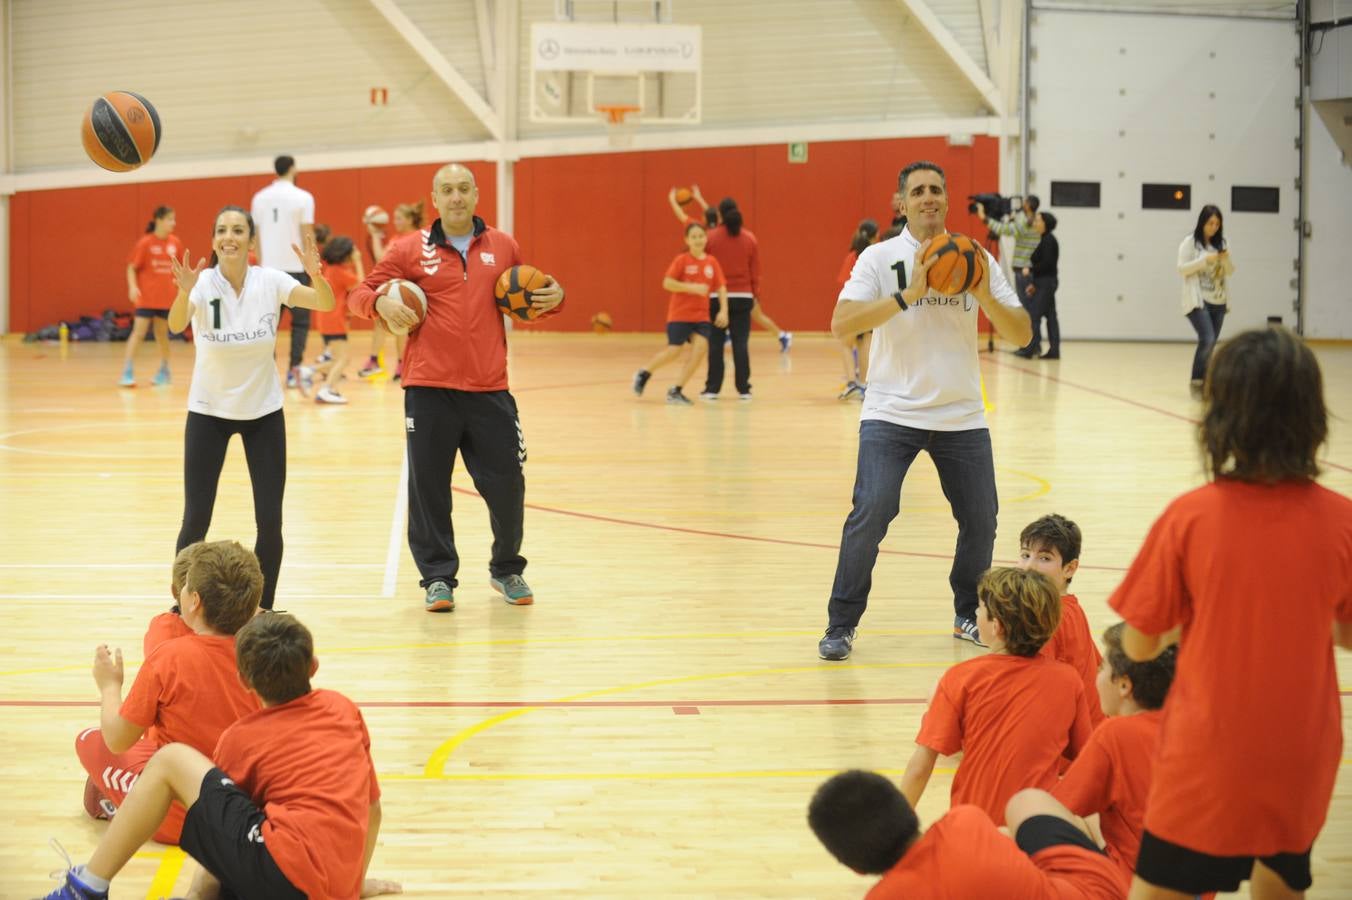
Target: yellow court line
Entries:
(436, 763)
(171, 864)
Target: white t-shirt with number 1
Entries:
(235, 376)
(923, 370)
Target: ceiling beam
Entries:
(440, 66)
(939, 33)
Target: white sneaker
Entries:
(328, 396)
(708, 396)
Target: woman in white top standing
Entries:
(1204, 262)
(234, 308)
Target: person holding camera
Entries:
(1204, 262)
(1026, 238)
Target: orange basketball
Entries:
(601, 323)
(959, 266)
(683, 196)
(514, 290)
(121, 131)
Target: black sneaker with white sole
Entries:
(967, 630)
(836, 643)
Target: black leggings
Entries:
(205, 440)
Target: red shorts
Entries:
(115, 773)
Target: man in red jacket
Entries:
(455, 385)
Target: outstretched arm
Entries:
(118, 733)
(917, 774)
(374, 887)
(318, 295)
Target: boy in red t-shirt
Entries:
(1111, 776)
(1051, 545)
(266, 819)
(1251, 575)
(187, 690)
(869, 826)
(341, 275)
(1012, 712)
(691, 278)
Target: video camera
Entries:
(997, 206)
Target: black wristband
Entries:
(901, 301)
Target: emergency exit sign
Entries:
(798, 152)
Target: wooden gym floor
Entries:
(655, 725)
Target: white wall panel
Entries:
(243, 77)
(1328, 291)
(807, 61)
(1126, 99)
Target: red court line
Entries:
(565, 704)
(1120, 399)
(742, 537)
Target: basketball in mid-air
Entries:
(684, 196)
(515, 288)
(601, 323)
(121, 131)
(958, 264)
(407, 293)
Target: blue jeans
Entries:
(1206, 320)
(967, 476)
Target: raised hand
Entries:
(107, 667)
(184, 274)
(309, 256)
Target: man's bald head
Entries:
(455, 194)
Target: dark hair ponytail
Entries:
(863, 235)
(732, 221)
(225, 209)
(159, 213)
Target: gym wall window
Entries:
(1166, 196)
(1084, 194)
(1254, 199)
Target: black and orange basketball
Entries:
(514, 290)
(683, 196)
(121, 131)
(958, 265)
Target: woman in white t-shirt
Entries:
(1204, 262)
(234, 308)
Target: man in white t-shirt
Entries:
(284, 214)
(924, 393)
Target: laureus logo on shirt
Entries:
(267, 327)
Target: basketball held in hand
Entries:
(121, 131)
(409, 294)
(959, 264)
(684, 196)
(515, 288)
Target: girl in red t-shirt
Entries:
(1251, 574)
(151, 288)
(407, 219)
(854, 348)
(691, 278)
(341, 275)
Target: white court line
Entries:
(396, 530)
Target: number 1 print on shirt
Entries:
(900, 268)
(216, 314)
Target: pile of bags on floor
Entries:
(111, 326)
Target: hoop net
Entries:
(621, 130)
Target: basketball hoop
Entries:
(615, 116)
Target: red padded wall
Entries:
(600, 223)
